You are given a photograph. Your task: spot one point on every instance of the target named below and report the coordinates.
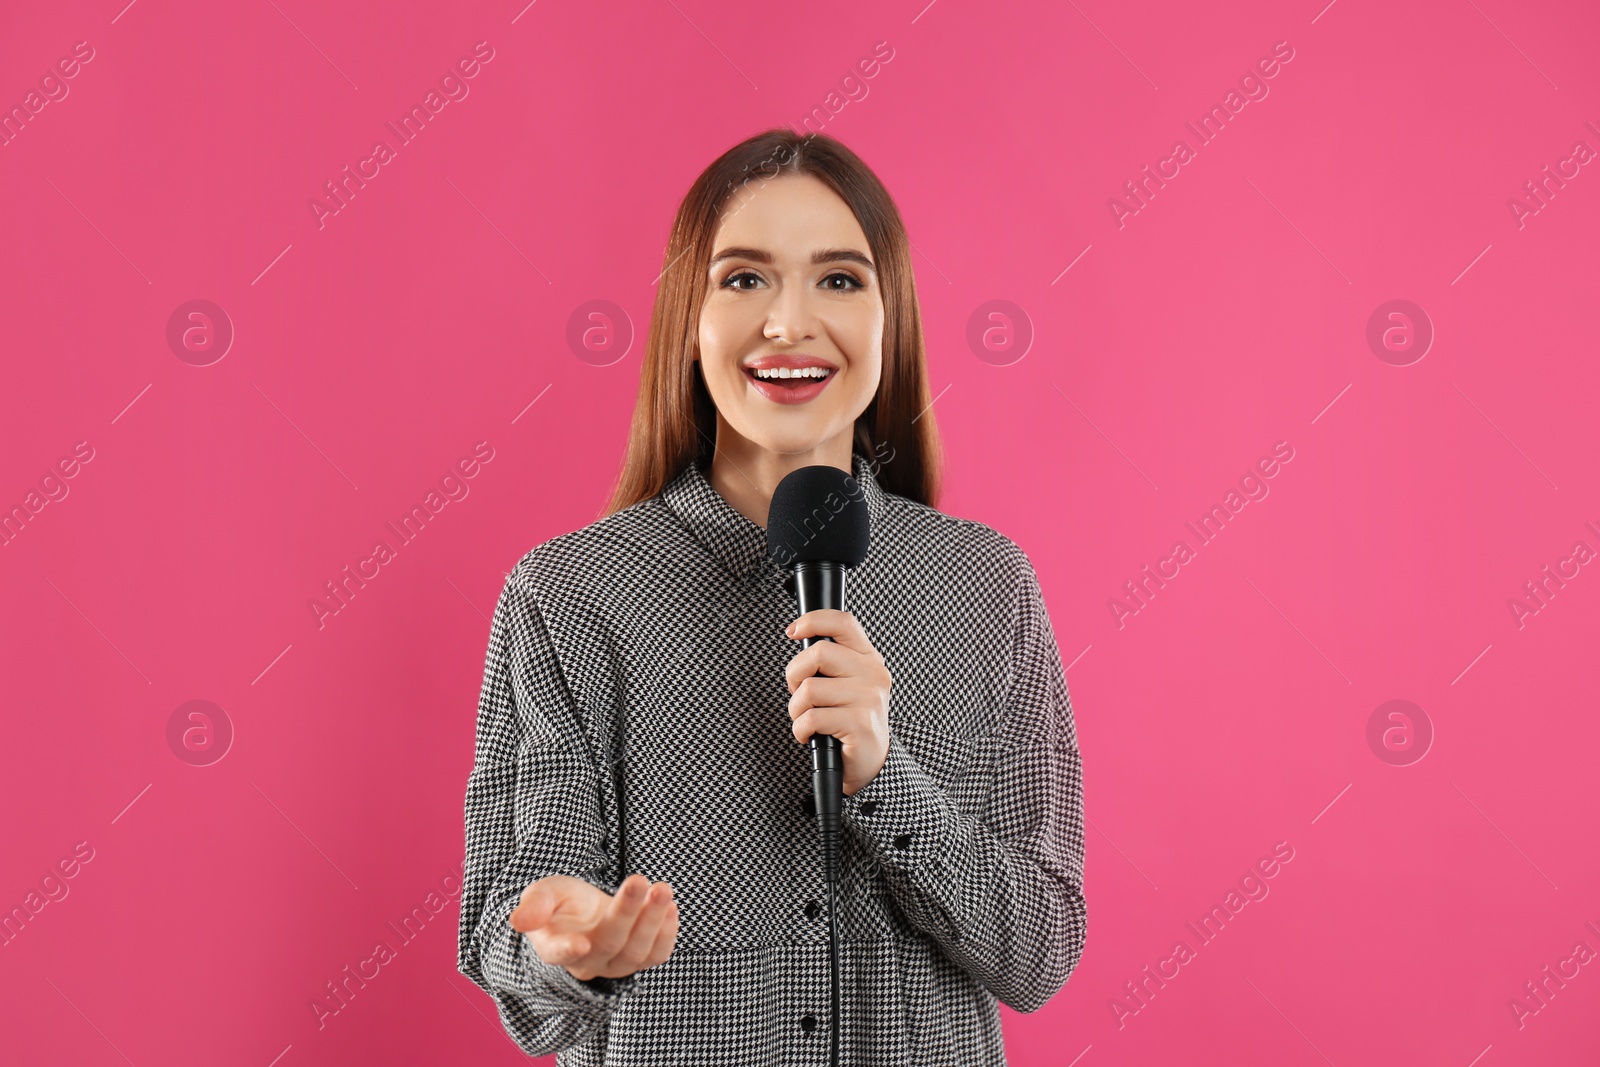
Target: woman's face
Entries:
(799, 290)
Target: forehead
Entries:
(790, 217)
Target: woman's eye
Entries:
(734, 280)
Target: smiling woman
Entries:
(643, 727)
(787, 252)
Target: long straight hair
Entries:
(674, 418)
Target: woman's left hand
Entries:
(841, 687)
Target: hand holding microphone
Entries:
(594, 934)
(841, 688)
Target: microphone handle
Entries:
(820, 584)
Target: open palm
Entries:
(595, 934)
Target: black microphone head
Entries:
(818, 513)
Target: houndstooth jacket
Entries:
(634, 701)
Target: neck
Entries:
(746, 475)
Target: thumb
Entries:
(535, 908)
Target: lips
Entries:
(791, 390)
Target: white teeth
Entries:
(798, 372)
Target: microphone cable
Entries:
(827, 782)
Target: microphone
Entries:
(818, 526)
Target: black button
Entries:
(808, 805)
(868, 807)
(808, 1022)
(812, 909)
(903, 841)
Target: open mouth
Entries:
(784, 385)
(797, 378)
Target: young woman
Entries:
(643, 881)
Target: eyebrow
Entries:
(819, 257)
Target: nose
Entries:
(791, 318)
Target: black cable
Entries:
(833, 951)
(827, 780)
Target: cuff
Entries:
(596, 994)
(902, 815)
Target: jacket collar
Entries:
(737, 543)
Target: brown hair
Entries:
(674, 418)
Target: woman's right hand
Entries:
(594, 934)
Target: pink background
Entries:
(1229, 313)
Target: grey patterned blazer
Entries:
(634, 697)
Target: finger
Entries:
(642, 939)
(564, 949)
(612, 933)
(535, 908)
(842, 626)
(570, 948)
(819, 622)
(827, 658)
(819, 691)
(665, 937)
(834, 722)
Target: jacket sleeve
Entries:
(537, 803)
(1000, 892)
